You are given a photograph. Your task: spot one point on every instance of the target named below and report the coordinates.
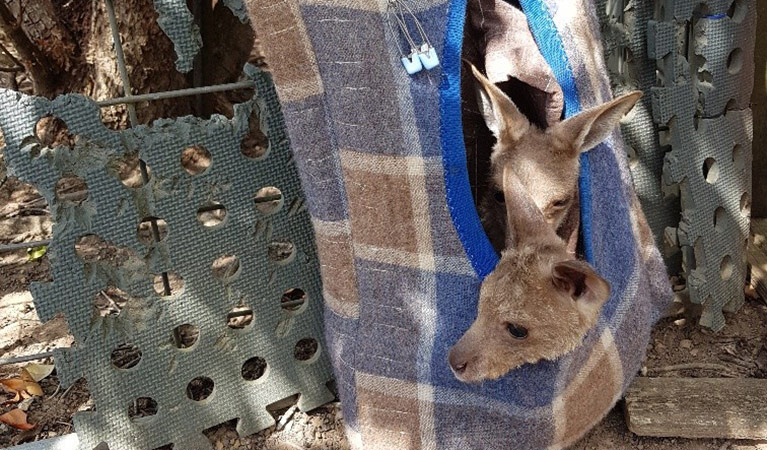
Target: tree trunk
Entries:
(67, 47)
(32, 57)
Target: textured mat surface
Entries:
(691, 143)
(198, 375)
(624, 34)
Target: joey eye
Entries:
(498, 196)
(561, 203)
(517, 331)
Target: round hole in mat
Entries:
(125, 356)
(632, 156)
(145, 230)
(268, 200)
(254, 368)
(239, 317)
(226, 268)
(738, 10)
(88, 247)
(211, 215)
(710, 170)
(745, 205)
(175, 284)
(306, 350)
(738, 158)
(53, 132)
(726, 268)
(110, 301)
(128, 169)
(199, 389)
(698, 255)
(719, 218)
(195, 159)
(705, 76)
(735, 61)
(255, 145)
(185, 336)
(71, 188)
(142, 407)
(293, 300)
(281, 252)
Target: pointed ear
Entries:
(587, 129)
(501, 114)
(583, 285)
(524, 221)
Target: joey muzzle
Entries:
(464, 355)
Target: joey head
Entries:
(546, 161)
(538, 303)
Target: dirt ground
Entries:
(678, 348)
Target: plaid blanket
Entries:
(382, 161)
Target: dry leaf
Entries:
(36, 372)
(17, 419)
(15, 399)
(34, 389)
(14, 384)
(22, 386)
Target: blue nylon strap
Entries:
(552, 48)
(459, 200)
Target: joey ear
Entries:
(524, 221)
(501, 114)
(584, 286)
(587, 129)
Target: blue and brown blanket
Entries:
(382, 162)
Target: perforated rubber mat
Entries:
(691, 140)
(242, 326)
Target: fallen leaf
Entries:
(36, 252)
(34, 389)
(22, 386)
(15, 399)
(36, 372)
(14, 384)
(16, 418)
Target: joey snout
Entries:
(464, 357)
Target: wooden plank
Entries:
(757, 256)
(730, 408)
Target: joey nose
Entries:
(457, 363)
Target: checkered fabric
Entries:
(381, 159)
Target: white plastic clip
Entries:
(422, 56)
(413, 62)
(428, 56)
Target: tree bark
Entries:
(32, 57)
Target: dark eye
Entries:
(517, 331)
(560, 203)
(498, 196)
